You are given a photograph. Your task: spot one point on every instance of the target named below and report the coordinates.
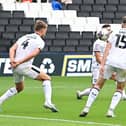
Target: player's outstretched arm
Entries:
(106, 52)
(12, 52)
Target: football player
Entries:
(114, 60)
(22, 54)
(98, 51)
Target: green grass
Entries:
(26, 108)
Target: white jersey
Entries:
(27, 44)
(98, 46)
(117, 53)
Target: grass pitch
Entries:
(26, 108)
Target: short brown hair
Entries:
(124, 19)
(39, 24)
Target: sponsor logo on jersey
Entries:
(77, 65)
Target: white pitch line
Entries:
(57, 120)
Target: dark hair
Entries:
(106, 25)
(39, 24)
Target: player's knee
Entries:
(20, 88)
(47, 78)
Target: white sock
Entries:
(92, 96)
(47, 91)
(115, 100)
(9, 93)
(85, 92)
(123, 93)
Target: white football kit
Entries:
(116, 60)
(27, 44)
(98, 46)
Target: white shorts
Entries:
(29, 71)
(95, 75)
(120, 73)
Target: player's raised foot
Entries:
(110, 114)
(78, 95)
(51, 107)
(84, 112)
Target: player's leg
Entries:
(47, 91)
(95, 90)
(86, 92)
(92, 96)
(36, 74)
(121, 78)
(19, 86)
(123, 92)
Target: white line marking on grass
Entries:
(57, 120)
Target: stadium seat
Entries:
(70, 13)
(44, 19)
(54, 21)
(88, 1)
(122, 2)
(11, 28)
(5, 14)
(113, 2)
(19, 34)
(48, 42)
(34, 10)
(98, 8)
(9, 6)
(72, 42)
(75, 35)
(85, 8)
(101, 1)
(25, 28)
(52, 28)
(50, 35)
(119, 15)
(96, 14)
(87, 35)
(19, 6)
(62, 35)
(15, 21)
(2, 28)
(67, 21)
(82, 49)
(83, 14)
(8, 35)
(55, 49)
(108, 15)
(3, 21)
(77, 1)
(73, 7)
(57, 13)
(111, 8)
(69, 49)
(59, 42)
(18, 14)
(28, 21)
(64, 28)
(87, 42)
(122, 8)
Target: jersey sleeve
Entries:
(40, 44)
(96, 47)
